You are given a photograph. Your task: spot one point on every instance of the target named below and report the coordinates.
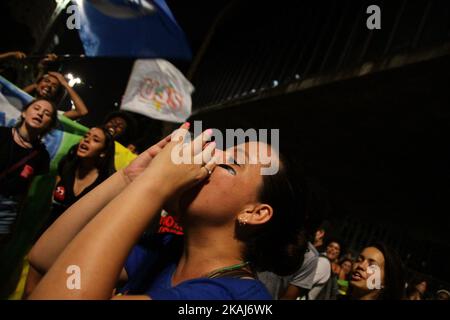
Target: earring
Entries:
(242, 221)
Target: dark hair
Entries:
(105, 165)
(412, 284)
(278, 245)
(59, 94)
(53, 121)
(127, 136)
(339, 242)
(344, 260)
(394, 276)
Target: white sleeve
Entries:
(323, 271)
(322, 275)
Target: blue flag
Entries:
(131, 28)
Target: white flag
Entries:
(158, 90)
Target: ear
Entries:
(256, 215)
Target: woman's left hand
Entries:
(181, 166)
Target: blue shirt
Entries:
(225, 288)
(142, 258)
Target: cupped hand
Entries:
(180, 166)
(137, 166)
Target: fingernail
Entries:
(208, 132)
(186, 125)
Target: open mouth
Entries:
(357, 276)
(83, 148)
(36, 120)
(45, 91)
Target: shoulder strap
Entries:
(19, 163)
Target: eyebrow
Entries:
(247, 157)
(368, 259)
(40, 106)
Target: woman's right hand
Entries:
(51, 57)
(138, 165)
(19, 55)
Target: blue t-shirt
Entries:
(225, 288)
(142, 258)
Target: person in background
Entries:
(321, 236)
(86, 165)
(325, 280)
(296, 285)
(17, 55)
(443, 294)
(344, 276)
(51, 85)
(122, 126)
(23, 156)
(416, 289)
(383, 262)
(333, 252)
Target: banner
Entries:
(131, 28)
(158, 90)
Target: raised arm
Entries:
(73, 220)
(100, 249)
(18, 55)
(80, 107)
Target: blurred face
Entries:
(92, 145)
(38, 116)
(333, 251)
(422, 287)
(319, 236)
(443, 296)
(230, 188)
(346, 267)
(116, 126)
(368, 257)
(48, 86)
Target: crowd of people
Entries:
(243, 235)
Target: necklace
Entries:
(218, 272)
(21, 138)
